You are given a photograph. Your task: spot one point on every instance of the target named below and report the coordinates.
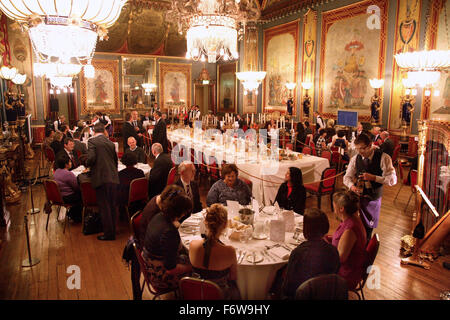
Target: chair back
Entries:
(290, 146)
(88, 195)
(335, 157)
(52, 192)
(328, 184)
(213, 168)
(50, 154)
(371, 252)
(413, 180)
(327, 155)
(138, 190)
(135, 222)
(323, 287)
(247, 182)
(199, 289)
(172, 175)
(395, 153)
(306, 150)
(308, 138)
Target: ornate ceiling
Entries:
(142, 29)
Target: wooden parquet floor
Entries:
(104, 275)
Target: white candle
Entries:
(292, 124)
(252, 118)
(247, 117)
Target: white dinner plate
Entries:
(258, 258)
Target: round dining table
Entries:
(258, 260)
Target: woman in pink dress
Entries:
(350, 237)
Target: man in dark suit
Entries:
(69, 145)
(187, 174)
(79, 146)
(141, 157)
(160, 171)
(388, 145)
(160, 131)
(103, 161)
(128, 130)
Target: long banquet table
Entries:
(253, 279)
(265, 174)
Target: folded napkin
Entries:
(280, 252)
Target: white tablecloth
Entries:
(253, 280)
(265, 174)
(144, 167)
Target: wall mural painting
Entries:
(102, 92)
(21, 58)
(351, 54)
(406, 40)
(440, 105)
(226, 73)
(175, 85)
(280, 63)
(308, 62)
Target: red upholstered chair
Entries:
(323, 187)
(172, 176)
(306, 150)
(290, 146)
(327, 155)
(50, 154)
(88, 197)
(371, 251)
(138, 192)
(119, 155)
(214, 172)
(54, 198)
(395, 155)
(135, 224)
(146, 272)
(247, 182)
(199, 289)
(308, 138)
(413, 186)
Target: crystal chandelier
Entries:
(251, 80)
(212, 27)
(63, 32)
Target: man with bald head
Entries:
(138, 151)
(186, 171)
(160, 171)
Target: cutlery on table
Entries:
(270, 255)
(264, 253)
(244, 253)
(254, 257)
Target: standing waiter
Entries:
(103, 161)
(366, 174)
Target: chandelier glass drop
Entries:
(212, 27)
(63, 33)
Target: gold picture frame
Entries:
(102, 92)
(226, 89)
(175, 85)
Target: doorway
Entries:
(204, 97)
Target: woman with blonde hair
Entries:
(211, 259)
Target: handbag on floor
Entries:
(92, 223)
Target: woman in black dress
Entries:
(292, 194)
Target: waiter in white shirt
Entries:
(366, 174)
(320, 123)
